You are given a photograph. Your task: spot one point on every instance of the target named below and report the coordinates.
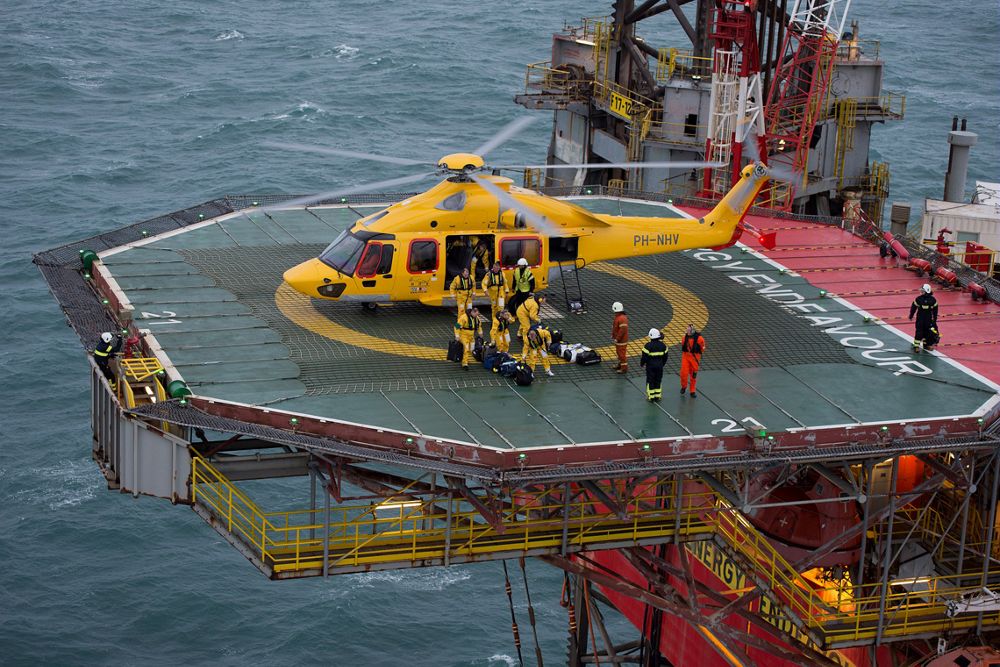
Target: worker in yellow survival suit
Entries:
(481, 256)
(495, 287)
(527, 313)
(462, 288)
(500, 331)
(467, 327)
(536, 348)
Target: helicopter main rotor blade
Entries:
(322, 150)
(512, 129)
(350, 190)
(616, 165)
(533, 217)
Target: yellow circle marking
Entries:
(687, 309)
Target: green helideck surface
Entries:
(780, 357)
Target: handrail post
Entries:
(326, 532)
(447, 530)
(565, 524)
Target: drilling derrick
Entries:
(735, 111)
(798, 93)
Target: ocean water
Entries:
(115, 112)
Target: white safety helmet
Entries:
(617, 307)
(107, 337)
(926, 288)
(654, 333)
(522, 262)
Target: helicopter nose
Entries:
(314, 278)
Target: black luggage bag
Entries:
(455, 350)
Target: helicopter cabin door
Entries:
(468, 251)
(375, 269)
(422, 270)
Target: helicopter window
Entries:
(385, 265)
(423, 256)
(512, 250)
(343, 254)
(455, 202)
(372, 259)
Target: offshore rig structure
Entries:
(830, 497)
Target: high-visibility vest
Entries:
(523, 277)
(103, 350)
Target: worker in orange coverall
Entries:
(619, 336)
(692, 348)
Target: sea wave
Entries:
(228, 35)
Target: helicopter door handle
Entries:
(388, 275)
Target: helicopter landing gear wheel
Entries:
(370, 306)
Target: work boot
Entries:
(694, 395)
(621, 370)
(683, 390)
(550, 373)
(465, 368)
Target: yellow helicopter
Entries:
(411, 250)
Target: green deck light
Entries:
(343, 200)
(522, 456)
(409, 441)
(105, 301)
(646, 447)
(782, 271)
(145, 232)
(885, 428)
(294, 421)
(822, 294)
(670, 201)
(124, 331)
(762, 433)
(86, 276)
(589, 191)
(161, 372)
(980, 421)
(253, 203)
(183, 401)
(201, 216)
(868, 318)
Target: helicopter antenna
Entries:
(512, 129)
(535, 219)
(333, 194)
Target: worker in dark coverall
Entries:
(654, 357)
(103, 351)
(619, 336)
(692, 348)
(925, 307)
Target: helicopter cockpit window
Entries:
(423, 256)
(455, 202)
(371, 260)
(343, 254)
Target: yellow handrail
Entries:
(407, 531)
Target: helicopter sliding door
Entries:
(513, 248)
